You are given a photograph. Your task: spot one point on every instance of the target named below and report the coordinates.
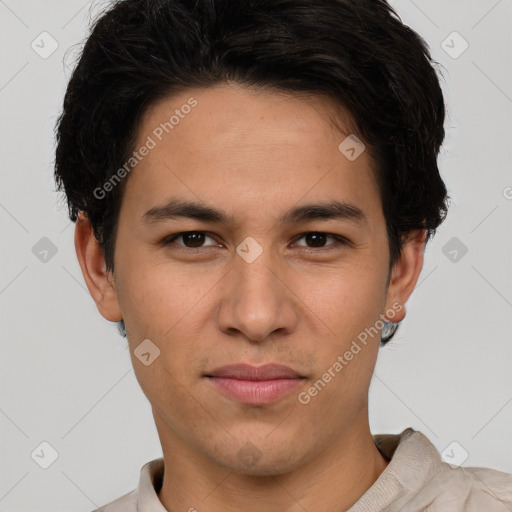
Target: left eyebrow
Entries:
(300, 214)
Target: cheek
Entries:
(343, 301)
(347, 355)
(162, 304)
(157, 295)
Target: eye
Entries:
(195, 240)
(191, 239)
(318, 239)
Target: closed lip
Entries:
(255, 373)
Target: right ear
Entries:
(92, 262)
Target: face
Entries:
(263, 278)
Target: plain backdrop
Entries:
(65, 374)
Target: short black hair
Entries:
(358, 53)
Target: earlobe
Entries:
(405, 273)
(92, 262)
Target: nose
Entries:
(258, 300)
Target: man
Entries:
(253, 184)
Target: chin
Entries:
(265, 468)
(261, 459)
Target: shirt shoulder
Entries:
(126, 503)
(471, 489)
(418, 480)
(145, 497)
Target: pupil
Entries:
(197, 239)
(317, 238)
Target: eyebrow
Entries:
(176, 208)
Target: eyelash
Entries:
(339, 241)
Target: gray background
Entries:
(65, 374)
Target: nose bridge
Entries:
(258, 277)
(257, 283)
(256, 302)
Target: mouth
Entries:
(253, 385)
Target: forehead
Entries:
(248, 150)
(244, 118)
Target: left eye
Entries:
(196, 239)
(318, 238)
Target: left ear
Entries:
(405, 273)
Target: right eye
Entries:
(191, 239)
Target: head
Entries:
(298, 147)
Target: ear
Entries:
(405, 273)
(92, 262)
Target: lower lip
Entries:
(255, 392)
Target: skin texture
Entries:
(255, 155)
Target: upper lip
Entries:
(248, 372)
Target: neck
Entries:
(332, 481)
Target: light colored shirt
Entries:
(415, 480)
